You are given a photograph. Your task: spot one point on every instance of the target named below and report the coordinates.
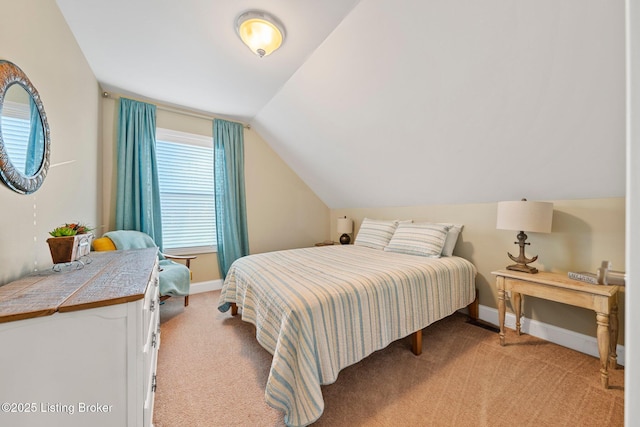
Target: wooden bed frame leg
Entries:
(416, 338)
(416, 342)
(474, 308)
(234, 309)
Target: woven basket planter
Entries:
(69, 248)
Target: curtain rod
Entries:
(184, 112)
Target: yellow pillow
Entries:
(103, 244)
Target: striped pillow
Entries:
(452, 238)
(375, 233)
(424, 239)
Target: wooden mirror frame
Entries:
(16, 180)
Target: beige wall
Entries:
(585, 232)
(35, 36)
(282, 212)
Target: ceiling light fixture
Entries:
(261, 32)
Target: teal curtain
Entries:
(138, 193)
(35, 147)
(231, 213)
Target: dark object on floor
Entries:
(484, 325)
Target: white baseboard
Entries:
(209, 285)
(564, 337)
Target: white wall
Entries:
(632, 338)
(412, 103)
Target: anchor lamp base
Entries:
(523, 268)
(534, 217)
(521, 261)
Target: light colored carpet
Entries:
(212, 372)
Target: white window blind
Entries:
(185, 174)
(16, 123)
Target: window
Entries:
(16, 126)
(185, 174)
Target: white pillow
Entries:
(375, 233)
(452, 238)
(424, 239)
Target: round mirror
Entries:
(24, 132)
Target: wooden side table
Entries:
(558, 287)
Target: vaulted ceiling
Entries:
(377, 103)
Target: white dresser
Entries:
(80, 347)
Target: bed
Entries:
(318, 310)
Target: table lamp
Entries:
(534, 217)
(345, 227)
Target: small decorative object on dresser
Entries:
(69, 243)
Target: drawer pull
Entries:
(154, 384)
(152, 307)
(154, 339)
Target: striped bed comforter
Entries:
(318, 310)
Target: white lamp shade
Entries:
(345, 225)
(525, 215)
(261, 32)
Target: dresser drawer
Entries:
(100, 341)
(151, 363)
(149, 353)
(151, 307)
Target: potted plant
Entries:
(70, 242)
